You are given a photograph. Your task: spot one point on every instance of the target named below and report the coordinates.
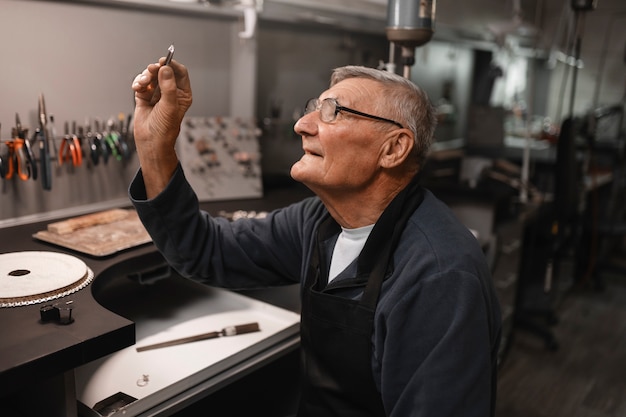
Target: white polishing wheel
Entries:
(32, 277)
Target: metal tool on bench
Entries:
(226, 331)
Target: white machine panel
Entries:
(139, 381)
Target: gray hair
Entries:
(403, 101)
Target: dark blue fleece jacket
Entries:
(437, 323)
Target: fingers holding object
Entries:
(146, 81)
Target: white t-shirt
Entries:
(349, 244)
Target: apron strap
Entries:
(376, 254)
(383, 240)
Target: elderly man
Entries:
(399, 316)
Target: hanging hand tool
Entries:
(54, 153)
(112, 139)
(17, 161)
(78, 133)
(21, 158)
(104, 148)
(3, 159)
(44, 146)
(122, 143)
(70, 148)
(28, 150)
(93, 141)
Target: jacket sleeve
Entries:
(437, 355)
(247, 253)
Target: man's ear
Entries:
(397, 148)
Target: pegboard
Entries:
(221, 157)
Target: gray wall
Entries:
(295, 62)
(83, 59)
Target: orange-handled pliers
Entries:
(21, 159)
(70, 149)
(18, 161)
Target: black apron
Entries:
(336, 332)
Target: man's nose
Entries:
(307, 124)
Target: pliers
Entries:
(44, 146)
(100, 141)
(21, 159)
(70, 149)
(93, 141)
(115, 140)
(17, 161)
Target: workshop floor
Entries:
(586, 376)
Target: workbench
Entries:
(37, 360)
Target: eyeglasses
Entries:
(329, 108)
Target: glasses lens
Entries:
(328, 111)
(311, 105)
(327, 108)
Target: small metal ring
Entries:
(143, 381)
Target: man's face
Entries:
(342, 155)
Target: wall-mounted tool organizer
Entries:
(57, 165)
(221, 157)
(35, 157)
